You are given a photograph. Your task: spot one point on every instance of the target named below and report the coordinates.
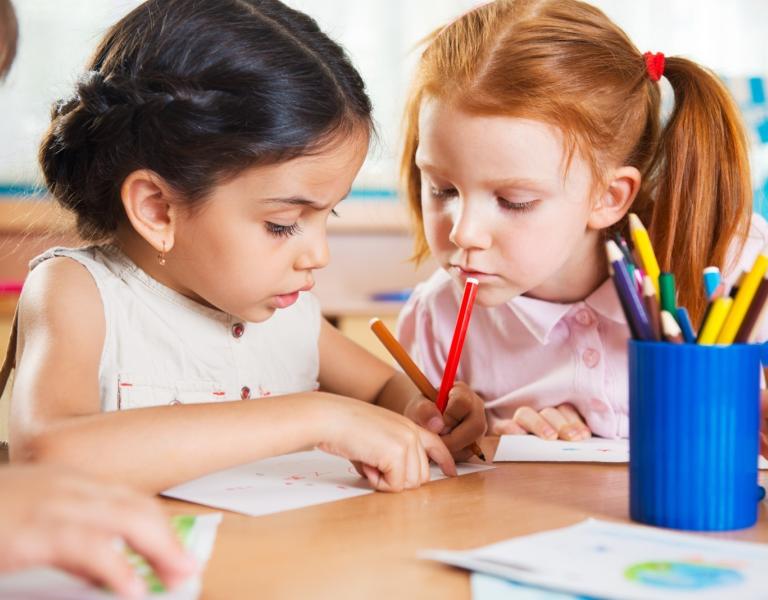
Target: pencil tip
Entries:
(614, 254)
(481, 456)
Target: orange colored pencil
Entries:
(411, 369)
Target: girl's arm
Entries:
(350, 370)
(56, 411)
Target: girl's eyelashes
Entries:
(446, 193)
(442, 194)
(517, 206)
(282, 230)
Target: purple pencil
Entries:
(630, 300)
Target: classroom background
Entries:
(369, 273)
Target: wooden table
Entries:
(366, 547)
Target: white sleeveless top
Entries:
(161, 347)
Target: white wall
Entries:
(58, 35)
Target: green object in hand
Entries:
(182, 525)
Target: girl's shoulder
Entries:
(61, 298)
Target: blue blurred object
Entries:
(392, 296)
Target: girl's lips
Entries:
(285, 300)
(479, 275)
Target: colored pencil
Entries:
(642, 243)
(637, 318)
(754, 334)
(457, 343)
(711, 280)
(667, 287)
(744, 298)
(711, 328)
(672, 331)
(684, 320)
(737, 284)
(410, 368)
(624, 247)
(718, 293)
(652, 307)
(752, 318)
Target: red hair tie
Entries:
(654, 64)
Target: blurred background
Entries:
(370, 244)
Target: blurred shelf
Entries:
(386, 215)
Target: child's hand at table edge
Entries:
(462, 423)
(562, 422)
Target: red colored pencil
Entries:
(457, 343)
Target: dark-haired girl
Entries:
(202, 153)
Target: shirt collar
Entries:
(540, 316)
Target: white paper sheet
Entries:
(611, 560)
(485, 587)
(284, 483)
(529, 448)
(52, 584)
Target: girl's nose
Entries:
(470, 230)
(315, 254)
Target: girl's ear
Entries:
(147, 200)
(616, 199)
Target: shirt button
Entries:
(584, 317)
(238, 329)
(591, 357)
(245, 392)
(174, 402)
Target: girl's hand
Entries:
(562, 422)
(462, 423)
(391, 451)
(49, 517)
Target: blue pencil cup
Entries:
(693, 435)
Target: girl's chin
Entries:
(490, 298)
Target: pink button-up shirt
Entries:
(529, 352)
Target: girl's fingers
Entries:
(412, 466)
(375, 477)
(554, 417)
(99, 559)
(144, 526)
(575, 429)
(438, 452)
(534, 423)
(426, 415)
(505, 427)
(424, 464)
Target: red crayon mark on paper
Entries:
(125, 384)
(218, 393)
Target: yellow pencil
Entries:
(715, 320)
(743, 298)
(413, 372)
(645, 250)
